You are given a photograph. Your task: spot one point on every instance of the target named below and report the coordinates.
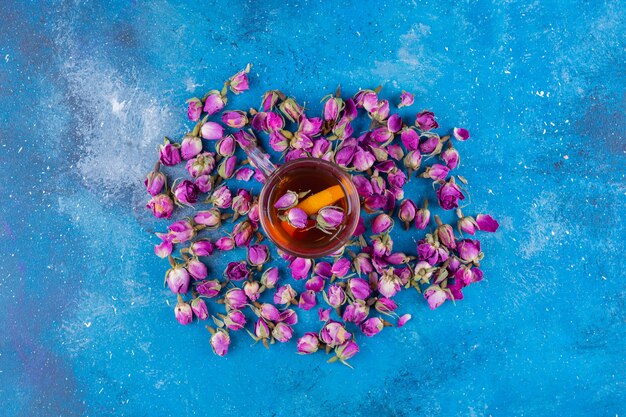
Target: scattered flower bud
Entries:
(394, 123)
(221, 198)
(186, 192)
(220, 341)
(214, 102)
(435, 296)
(212, 131)
(413, 161)
(469, 250)
(308, 343)
(261, 329)
(426, 121)
(244, 174)
(431, 251)
(258, 255)
(315, 284)
(226, 146)
(161, 206)
(154, 182)
(449, 195)
(242, 202)
(461, 134)
(289, 317)
(356, 312)
(307, 300)
(199, 308)
(324, 314)
(406, 212)
(169, 154)
(486, 223)
(203, 164)
(445, 234)
(291, 109)
(235, 299)
(177, 279)
(340, 267)
(197, 269)
(382, 110)
(190, 147)
(359, 288)
(285, 295)
(269, 312)
(235, 119)
(210, 218)
(183, 312)
(422, 217)
(372, 326)
(451, 157)
(238, 83)
(334, 333)
(330, 217)
(252, 290)
(164, 249)
(297, 218)
(468, 225)
(395, 151)
(335, 296)
(270, 277)
(363, 160)
(194, 109)
(363, 264)
(385, 305)
(346, 351)
(227, 168)
(300, 268)
(181, 231)
(282, 332)
(209, 288)
(406, 99)
(236, 271)
(225, 243)
(382, 223)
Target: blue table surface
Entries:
(88, 89)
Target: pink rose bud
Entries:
(269, 312)
(423, 271)
(204, 183)
(291, 109)
(362, 185)
(161, 206)
(286, 201)
(239, 82)
(310, 127)
(406, 99)
(242, 233)
(394, 123)
(445, 234)
(270, 98)
(435, 296)
(324, 314)
(350, 112)
(181, 231)
(461, 134)
(177, 279)
(346, 351)
(308, 343)
(289, 317)
(382, 110)
(356, 312)
(320, 147)
(196, 268)
(410, 139)
(300, 268)
(332, 107)
(225, 243)
(236, 271)
(385, 166)
(259, 122)
(235, 320)
(436, 172)
(359, 288)
(285, 295)
(297, 218)
(381, 224)
(330, 217)
(220, 341)
(301, 141)
(363, 264)
(270, 277)
(164, 249)
(343, 129)
(385, 305)
(345, 155)
(214, 102)
(183, 312)
(261, 330)
(235, 119)
(203, 164)
(430, 251)
(451, 157)
(235, 299)
(222, 197)
(449, 195)
(372, 326)
(279, 140)
(389, 284)
(282, 332)
(244, 174)
(227, 168)
(209, 288)
(403, 319)
(486, 223)
(210, 218)
(381, 135)
(199, 308)
(366, 99)
(194, 109)
(431, 145)
(154, 182)
(395, 151)
(469, 250)
(190, 147)
(244, 138)
(335, 296)
(413, 160)
(242, 202)
(334, 333)
(363, 160)
(468, 225)
(212, 131)
(315, 284)
(407, 211)
(382, 245)
(169, 154)
(360, 227)
(422, 217)
(258, 255)
(340, 267)
(186, 192)
(426, 121)
(274, 122)
(226, 146)
(307, 300)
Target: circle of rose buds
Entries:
(358, 283)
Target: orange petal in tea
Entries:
(317, 201)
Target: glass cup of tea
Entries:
(325, 183)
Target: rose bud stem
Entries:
(220, 301)
(157, 166)
(338, 311)
(257, 304)
(171, 260)
(386, 323)
(259, 238)
(265, 344)
(406, 225)
(328, 348)
(444, 138)
(226, 216)
(438, 220)
(218, 180)
(210, 329)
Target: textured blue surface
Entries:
(87, 90)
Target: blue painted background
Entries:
(87, 89)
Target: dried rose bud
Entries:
(343, 129)
(214, 102)
(203, 164)
(177, 279)
(360, 227)
(258, 255)
(197, 269)
(315, 284)
(269, 312)
(300, 268)
(396, 179)
(422, 217)
(297, 218)
(186, 192)
(431, 251)
(413, 160)
(431, 144)
(161, 206)
(204, 183)
(244, 138)
(270, 98)
(395, 151)
(372, 326)
(381, 135)
(406, 99)
(274, 122)
(323, 269)
(235, 299)
(261, 330)
(181, 231)
(461, 134)
(164, 249)
(330, 217)
(382, 223)
(334, 333)
(385, 166)
(469, 250)
(235, 320)
(285, 295)
(226, 146)
(356, 312)
(362, 185)
(363, 160)
(332, 107)
(199, 308)
(241, 202)
(225, 243)
(363, 264)
(324, 314)
(183, 312)
(486, 223)
(244, 174)
(310, 127)
(270, 277)
(389, 283)
(410, 139)
(236, 271)
(282, 332)
(385, 305)
(308, 343)
(190, 147)
(291, 109)
(398, 258)
(394, 123)
(238, 83)
(436, 172)
(307, 300)
(209, 288)
(366, 99)
(359, 288)
(449, 195)
(194, 109)
(320, 147)
(211, 131)
(426, 121)
(346, 351)
(451, 157)
(286, 201)
(423, 271)
(252, 290)
(445, 234)
(169, 153)
(221, 197)
(382, 245)
(220, 341)
(435, 296)
(155, 181)
(280, 140)
(382, 110)
(340, 267)
(301, 141)
(335, 296)
(227, 168)
(289, 317)
(210, 218)
(406, 212)
(235, 119)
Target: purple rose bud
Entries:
(297, 218)
(242, 233)
(301, 141)
(161, 206)
(186, 192)
(330, 217)
(356, 312)
(310, 127)
(289, 317)
(212, 131)
(445, 233)
(261, 329)
(164, 249)
(398, 258)
(270, 98)
(214, 102)
(372, 326)
(382, 135)
(426, 121)
(341, 267)
(291, 109)
(315, 284)
(244, 174)
(345, 155)
(169, 154)
(225, 243)
(196, 268)
(244, 138)
(199, 308)
(269, 312)
(258, 255)
(451, 157)
(270, 277)
(320, 147)
(235, 299)
(382, 223)
(363, 160)
(413, 160)
(359, 288)
(363, 264)
(307, 300)
(286, 201)
(324, 314)
(282, 332)
(406, 99)
(396, 178)
(468, 225)
(190, 147)
(177, 279)
(406, 212)
(220, 341)
(210, 218)
(235, 119)
(335, 296)
(241, 202)
(469, 250)
(285, 295)
(183, 312)
(449, 195)
(194, 109)
(259, 122)
(238, 83)
(236, 271)
(334, 333)
(395, 151)
(235, 320)
(366, 99)
(385, 305)
(204, 183)
(222, 197)
(422, 217)
(346, 351)
(435, 296)
(252, 290)
(181, 231)
(410, 139)
(394, 124)
(300, 268)
(209, 288)
(323, 269)
(379, 185)
(343, 129)
(436, 172)
(382, 245)
(154, 182)
(382, 110)
(203, 164)
(274, 121)
(389, 284)
(362, 185)
(430, 251)
(461, 134)
(486, 223)
(308, 343)
(226, 146)
(431, 145)
(227, 168)
(332, 107)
